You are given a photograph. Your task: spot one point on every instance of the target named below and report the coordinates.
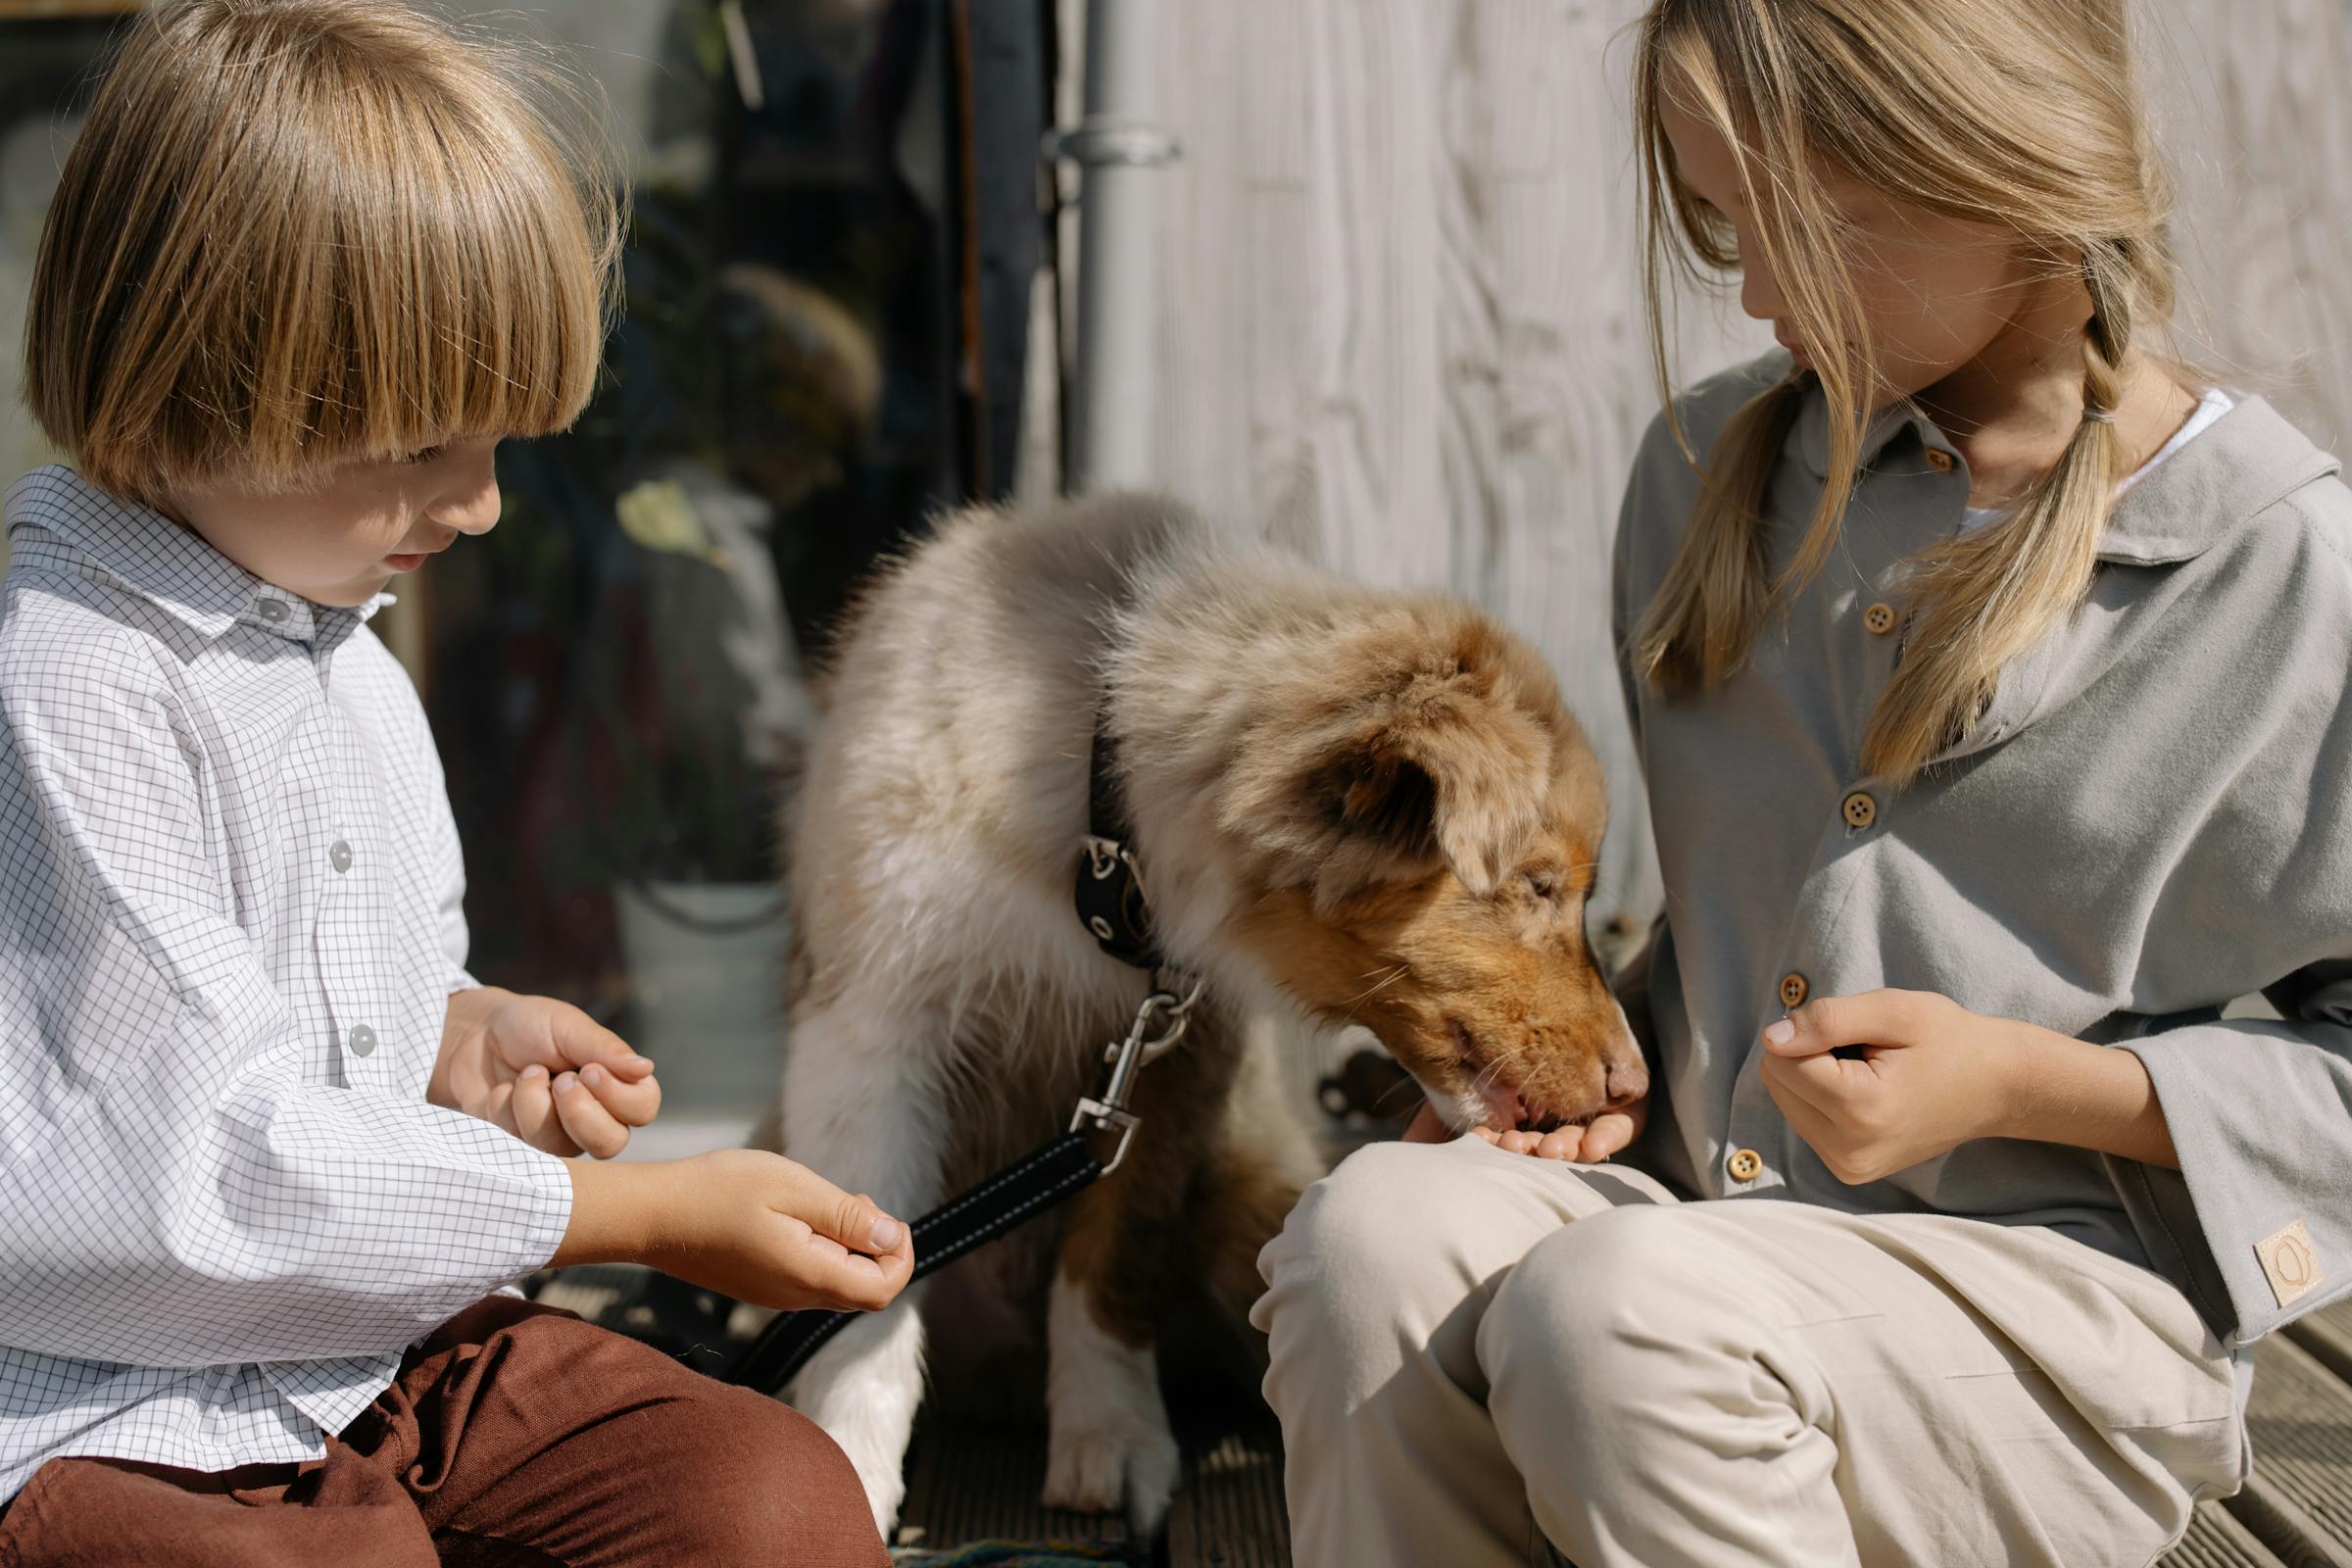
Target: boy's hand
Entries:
(746, 1223)
(1589, 1144)
(544, 1071)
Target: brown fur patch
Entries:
(1135, 1241)
(1422, 735)
(1444, 908)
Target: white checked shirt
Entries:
(230, 924)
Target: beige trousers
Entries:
(1477, 1356)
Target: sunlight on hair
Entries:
(2012, 113)
(294, 233)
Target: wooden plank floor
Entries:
(2299, 1503)
(970, 1481)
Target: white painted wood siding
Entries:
(1400, 321)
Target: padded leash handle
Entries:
(1012, 1195)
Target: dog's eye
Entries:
(1544, 885)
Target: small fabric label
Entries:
(2289, 1263)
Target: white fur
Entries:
(1109, 1440)
(863, 1389)
(862, 1103)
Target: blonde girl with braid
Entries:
(1986, 669)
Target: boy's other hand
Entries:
(544, 1071)
(746, 1223)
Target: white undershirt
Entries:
(2211, 406)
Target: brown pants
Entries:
(517, 1437)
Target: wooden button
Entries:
(1793, 990)
(1746, 1165)
(1939, 460)
(1879, 618)
(1860, 810)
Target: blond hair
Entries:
(2010, 112)
(298, 232)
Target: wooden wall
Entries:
(1401, 312)
(1400, 319)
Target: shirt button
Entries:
(1939, 460)
(1793, 990)
(1744, 1165)
(363, 1040)
(1879, 618)
(338, 855)
(1860, 810)
(273, 609)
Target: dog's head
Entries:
(1423, 817)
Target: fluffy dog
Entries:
(1364, 807)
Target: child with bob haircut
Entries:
(1986, 669)
(268, 1154)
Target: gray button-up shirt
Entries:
(2153, 819)
(230, 924)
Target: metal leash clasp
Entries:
(1169, 1009)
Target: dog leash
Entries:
(1110, 905)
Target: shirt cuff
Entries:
(2266, 1172)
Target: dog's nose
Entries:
(1628, 1080)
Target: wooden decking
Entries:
(969, 1482)
(2299, 1504)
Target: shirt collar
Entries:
(169, 565)
(2237, 469)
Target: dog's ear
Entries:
(1411, 753)
(1388, 798)
(1456, 769)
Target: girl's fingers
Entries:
(1819, 1134)
(1561, 1143)
(631, 1101)
(1818, 1125)
(1809, 1081)
(585, 1120)
(1609, 1134)
(1831, 1023)
(1831, 1082)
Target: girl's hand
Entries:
(1925, 1076)
(544, 1071)
(746, 1223)
(1928, 1075)
(1589, 1144)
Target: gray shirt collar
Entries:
(2188, 503)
